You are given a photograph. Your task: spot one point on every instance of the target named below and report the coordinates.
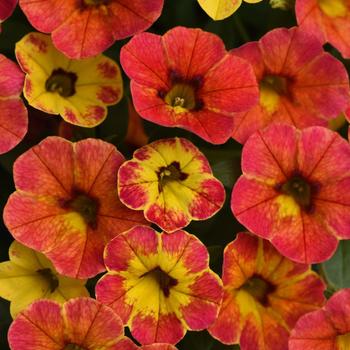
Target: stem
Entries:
(241, 28)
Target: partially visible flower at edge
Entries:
(328, 20)
(300, 84)
(6, 9)
(327, 328)
(264, 295)
(221, 9)
(29, 276)
(86, 28)
(78, 324)
(13, 113)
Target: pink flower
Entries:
(295, 190)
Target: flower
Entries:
(159, 284)
(299, 83)
(6, 9)
(66, 204)
(327, 328)
(86, 28)
(79, 324)
(176, 80)
(221, 9)
(328, 20)
(29, 276)
(294, 190)
(171, 181)
(79, 91)
(13, 114)
(264, 295)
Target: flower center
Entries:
(333, 8)
(50, 277)
(61, 82)
(164, 281)
(182, 97)
(170, 173)
(258, 288)
(343, 342)
(298, 188)
(282, 4)
(73, 347)
(86, 206)
(272, 87)
(95, 2)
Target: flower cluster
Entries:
(87, 259)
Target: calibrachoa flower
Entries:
(177, 80)
(13, 114)
(299, 83)
(264, 295)
(78, 90)
(66, 204)
(79, 324)
(295, 190)
(171, 181)
(220, 9)
(29, 276)
(6, 9)
(160, 284)
(328, 20)
(327, 328)
(86, 28)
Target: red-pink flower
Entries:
(13, 114)
(324, 329)
(6, 9)
(160, 284)
(86, 28)
(295, 190)
(328, 20)
(66, 204)
(299, 83)
(81, 323)
(264, 295)
(185, 78)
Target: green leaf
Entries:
(337, 269)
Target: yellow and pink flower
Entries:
(299, 83)
(29, 276)
(66, 204)
(177, 80)
(264, 295)
(295, 190)
(78, 90)
(172, 182)
(86, 28)
(221, 9)
(327, 328)
(13, 114)
(81, 323)
(160, 284)
(328, 20)
(6, 9)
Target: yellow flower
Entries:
(29, 276)
(221, 9)
(78, 90)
